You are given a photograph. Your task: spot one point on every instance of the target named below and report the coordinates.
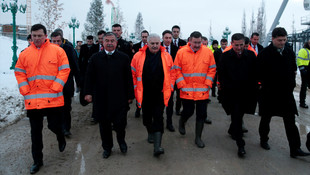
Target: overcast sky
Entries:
(190, 15)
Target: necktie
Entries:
(109, 53)
(175, 42)
(101, 48)
(167, 49)
(254, 47)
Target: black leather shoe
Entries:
(159, 151)
(62, 145)
(123, 147)
(244, 129)
(265, 145)
(93, 121)
(35, 167)
(303, 105)
(241, 151)
(170, 128)
(208, 121)
(308, 141)
(299, 152)
(106, 154)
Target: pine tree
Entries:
(121, 20)
(94, 20)
(139, 26)
(261, 22)
(50, 14)
(252, 23)
(243, 27)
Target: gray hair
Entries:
(110, 34)
(152, 35)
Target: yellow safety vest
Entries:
(303, 57)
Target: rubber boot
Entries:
(199, 128)
(150, 138)
(182, 130)
(158, 150)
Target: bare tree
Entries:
(261, 22)
(243, 27)
(49, 14)
(139, 26)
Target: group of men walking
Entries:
(150, 72)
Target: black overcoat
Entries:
(238, 81)
(277, 75)
(110, 76)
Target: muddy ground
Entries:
(83, 154)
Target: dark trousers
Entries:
(291, 130)
(236, 123)
(178, 102)
(66, 120)
(93, 115)
(105, 128)
(303, 88)
(153, 115)
(54, 120)
(214, 85)
(169, 110)
(189, 108)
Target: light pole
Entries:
(226, 32)
(13, 8)
(74, 24)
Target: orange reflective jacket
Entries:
(194, 72)
(137, 64)
(41, 74)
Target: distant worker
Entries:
(41, 71)
(172, 50)
(68, 90)
(303, 64)
(255, 43)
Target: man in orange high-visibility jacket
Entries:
(153, 78)
(41, 71)
(195, 69)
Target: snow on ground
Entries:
(11, 102)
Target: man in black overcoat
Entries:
(238, 83)
(109, 74)
(277, 72)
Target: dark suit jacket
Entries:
(174, 50)
(85, 53)
(182, 42)
(136, 46)
(124, 46)
(259, 47)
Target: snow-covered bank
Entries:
(11, 102)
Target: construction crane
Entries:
(28, 16)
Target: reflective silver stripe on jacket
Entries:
(19, 70)
(60, 81)
(132, 68)
(212, 66)
(179, 79)
(47, 95)
(176, 67)
(195, 89)
(41, 77)
(194, 75)
(209, 78)
(138, 78)
(65, 66)
(22, 84)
